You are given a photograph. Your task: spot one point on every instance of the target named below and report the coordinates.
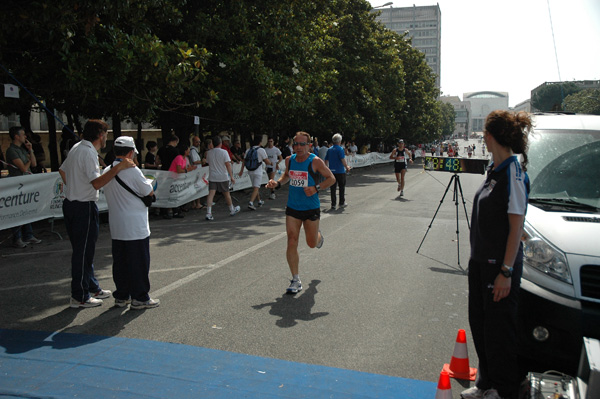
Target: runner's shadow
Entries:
(292, 308)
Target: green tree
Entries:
(448, 118)
(584, 102)
(552, 95)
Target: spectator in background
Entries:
(164, 158)
(275, 157)
(68, 140)
(21, 159)
(208, 145)
(195, 158)
(336, 162)
(150, 160)
(256, 174)
(81, 174)
(323, 150)
(226, 145)
(38, 151)
(220, 174)
(237, 150)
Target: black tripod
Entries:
(457, 189)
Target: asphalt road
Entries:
(370, 302)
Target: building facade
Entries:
(462, 115)
(424, 26)
(482, 103)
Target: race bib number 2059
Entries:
(298, 179)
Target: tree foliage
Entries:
(551, 97)
(584, 102)
(260, 66)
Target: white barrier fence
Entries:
(29, 198)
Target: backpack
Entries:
(251, 160)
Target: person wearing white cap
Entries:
(81, 174)
(129, 230)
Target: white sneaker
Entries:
(261, 202)
(472, 393)
(321, 241)
(90, 303)
(491, 394)
(150, 303)
(272, 196)
(33, 240)
(402, 193)
(102, 294)
(295, 287)
(251, 206)
(235, 211)
(121, 303)
(209, 216)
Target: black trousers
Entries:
(494, 328)
(82, 223)
(340, 180)
(131, 265)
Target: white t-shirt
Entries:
(261, 155)
(127, 214)
(81, 167)
(273, 155)
(217, 171)
(194, 155)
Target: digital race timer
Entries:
(456, 165)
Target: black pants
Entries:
(81, 221)
(494, 329)
(340, 180)
(131, 265)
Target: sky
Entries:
(508, 45)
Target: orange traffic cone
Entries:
(459, 364)
(444, 390)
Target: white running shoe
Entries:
(261, 202)
(272, 196)
(472, 393)
(251, 206)
(150, 303)
(402, 193)
(102, 294)
(209, 216)
(295, 287)
(235, 211)
(321, 241)
(90, 303)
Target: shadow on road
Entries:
(292, 308)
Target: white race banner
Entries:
(29, 198)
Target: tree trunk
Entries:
(52, 148)
(116, 125)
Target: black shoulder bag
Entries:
(147, 200)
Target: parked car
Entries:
(560, 288)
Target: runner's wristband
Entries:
(278, 186)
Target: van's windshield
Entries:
(564, 166)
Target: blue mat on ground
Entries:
(35, 364)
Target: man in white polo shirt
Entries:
(129, 230)
(81, 174)
(220, 173)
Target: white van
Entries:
(560, 288)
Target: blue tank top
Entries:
(300, 178)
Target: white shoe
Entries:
(251, 206)
(402, 193)
(33, 240)
(102, 294)
(235, 211)
(209, 216)
(90, 303)
(261, 202)
(295, 287)
(19, 243)
(150, 303)
(272, 196)
(472, 393)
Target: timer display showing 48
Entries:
(456, 165)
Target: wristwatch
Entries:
(318, 187)
(506, 273)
